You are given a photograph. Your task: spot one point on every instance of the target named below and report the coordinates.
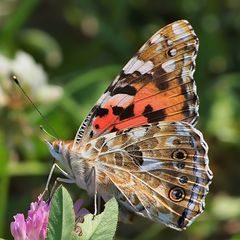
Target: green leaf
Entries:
(61, 219)
(75, 236)
(102, 226)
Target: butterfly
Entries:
(139, 143)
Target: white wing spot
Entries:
(151, 164)
(146, 67)
(139, 133)
(132, 64)
(135, 64)
(181, 33)
(156, 39)
(177, 29)
(173, 52)
(169, 42)
(169, 66)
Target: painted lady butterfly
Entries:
(138, 143)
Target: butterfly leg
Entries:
(95, 194)
(99, 203)
(57, 182)
(92, 177)
(69, 178)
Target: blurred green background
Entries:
(81, 46)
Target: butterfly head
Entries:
(60, 151)
(63, 152)
(56, 149)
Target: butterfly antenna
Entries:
(45, 131)
(36, 108)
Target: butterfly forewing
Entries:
(159, 171)
(155, 85)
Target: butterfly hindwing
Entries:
(155, 85)
(159, 171)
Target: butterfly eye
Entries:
(56, 148)
(176, 194)
(179, 155)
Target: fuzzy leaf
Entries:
(102, 226)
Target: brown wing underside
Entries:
(159, 171)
